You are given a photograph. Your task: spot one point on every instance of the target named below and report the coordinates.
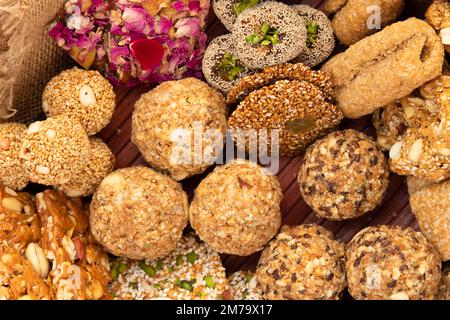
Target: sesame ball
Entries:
(54, 150)
(285, 27)
(81, 94)
(228, 10)
(236, 208)
(171, 122)
(138, 213)
(320, 40)
(391, 263)
(302, 263)
(85, 182)
(12, 171)
(193, 271)
(343, 175)
(244, 286)
(221, 68)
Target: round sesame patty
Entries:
(228, 10)
(220, 66)
(269, 34)
(193, 271)
(343, 175)
(302, 263)
(389, 262)
(320, 36)
(83, 95)
(12, 171)
(291, 115)
(138, 213)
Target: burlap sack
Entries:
(28, 57)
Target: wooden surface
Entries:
(393, 210)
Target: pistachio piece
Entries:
(87, 96)
(312, 29)
(35, 254)
(240, 6)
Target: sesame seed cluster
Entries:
(236, 208)
(244, 286)
(170, 118)
(193, 271)
(343, 175)
(138, 213)
(12, 171)
(388, 262)
(302, 262)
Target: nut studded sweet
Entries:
(179, 127)
(236, 208)
(86, 182)
(430, 203)
(387, 262)
(12, 171)
(268, 34)
(302, 263)
(438, 16)
(19, 222)
(83, 95)
(444, 286)
(244, 286)
(54, 150)
(424, 151)
(79, 266)
(138, 213)
(343, 175)
(193, 271)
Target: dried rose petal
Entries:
(148, 52)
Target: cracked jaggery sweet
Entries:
(296, 108)
(343, 175)
(12, 170)
(138, 213)
(236, 208)
(385, 67)
(430, 203)
(302, 263)
(392, 263)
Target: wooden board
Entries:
(393, 210)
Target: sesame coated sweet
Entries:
(302, 263)
(12, 171)
(236, 208)
(54, 150)
(193, 271)
(179, 127)
(138, 213)
(228, 10)
(283, 21)
(244, 286)
(84, 95)
(430, 203)
(391, 263)
(86, 182)
(343, 175)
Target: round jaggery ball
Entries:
(54, 150)
(85, 182)
(12, 171)
(320, 40)
(179, 127)
(138, 213)
(390, 262)
(302, 263)
(236, 208)
(221, 67)
(343, 175)
(269, 34)
(81, 94)
(228, 10)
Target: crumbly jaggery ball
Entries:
(138, 213)
(302, 263)
(389, 262)
(12, 171)
(171, 122)
(236, 208)
(54, 150)
(343, 175)
(84, 95)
